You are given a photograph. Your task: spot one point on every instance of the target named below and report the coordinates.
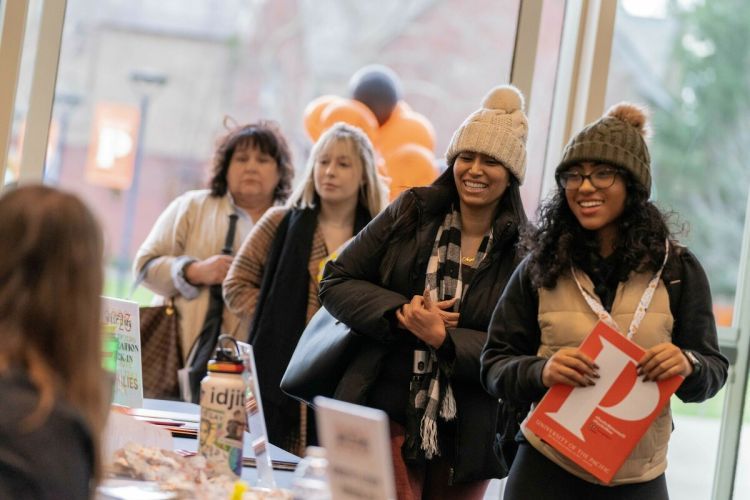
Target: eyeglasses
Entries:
(600, 179)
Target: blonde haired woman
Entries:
(274, 277)
(52, 399)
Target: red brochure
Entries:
(598, 426)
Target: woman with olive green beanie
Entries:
(599, 246)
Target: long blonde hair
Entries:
(373, 194)
(51, 254)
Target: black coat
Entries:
(52, 460)
(382, 269)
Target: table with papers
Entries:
(283, 462)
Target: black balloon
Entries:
(377, 87)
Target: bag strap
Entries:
(215, 299)
(215, 290)
(229, 239)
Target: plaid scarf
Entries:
(430, 391)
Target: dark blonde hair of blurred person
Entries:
(338, 195)
(50, 334)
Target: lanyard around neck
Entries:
(640, 313)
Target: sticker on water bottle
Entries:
(219, 443)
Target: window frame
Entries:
(579, 96)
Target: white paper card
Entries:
(123, 429)
(358, 449)
(124, 315)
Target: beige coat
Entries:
(193, 226)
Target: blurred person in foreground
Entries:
(252, 171)
(419, 285)
(53, 402)
(274, 279)
(602, 252)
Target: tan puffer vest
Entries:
(565, 319)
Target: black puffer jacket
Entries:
(382, 269)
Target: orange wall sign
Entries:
(111, 153)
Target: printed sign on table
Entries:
(123, 315)
(598, 426)
(358, 449)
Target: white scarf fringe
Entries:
(428, 425)
(448, 408)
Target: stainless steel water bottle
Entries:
(223, 409)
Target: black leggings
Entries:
(535, 476)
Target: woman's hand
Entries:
(422, 318)
(569, 366)
(210, 271)
(664, 361)
(450, 318)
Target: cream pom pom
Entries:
(505, 97)
(631, 114)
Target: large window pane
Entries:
(542, 94)
(687, 61)
(31, 35)
(190, 63)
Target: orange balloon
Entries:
(409, 166)
(723, 314)
(406, 128)
(311, 116)
(351, 112)
(401, 109)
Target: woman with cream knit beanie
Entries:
(419, 284)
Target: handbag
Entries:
(161, 352)
(204, 345)
(320, 358)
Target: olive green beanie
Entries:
(617, 138)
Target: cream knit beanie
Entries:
(497, 129)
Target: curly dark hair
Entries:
(267, 136)
(559, 238)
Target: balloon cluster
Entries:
(403, 138)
